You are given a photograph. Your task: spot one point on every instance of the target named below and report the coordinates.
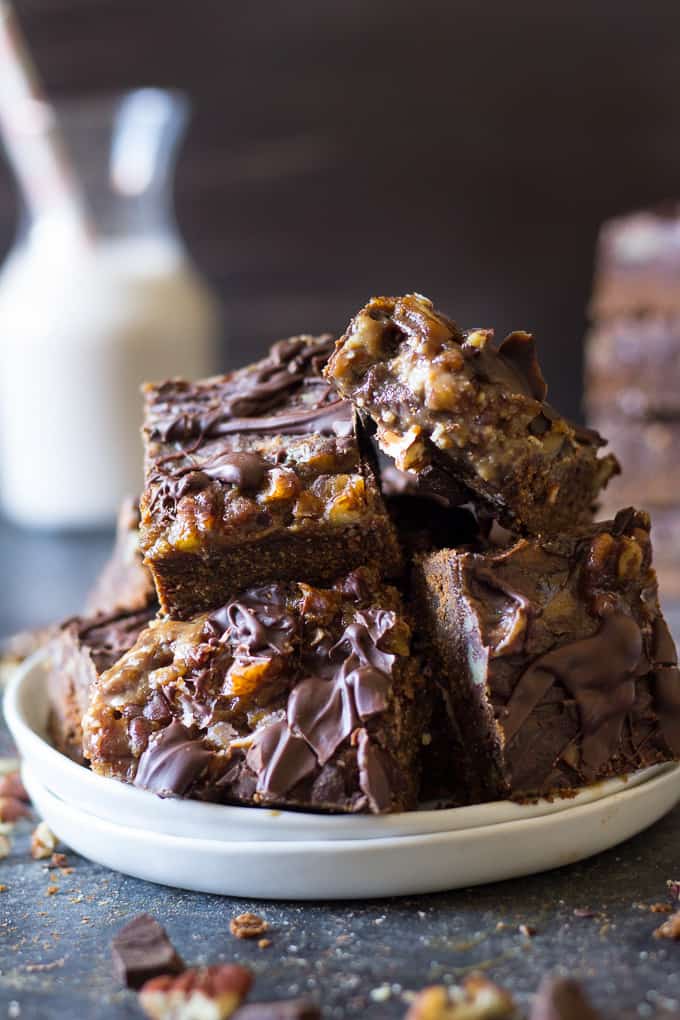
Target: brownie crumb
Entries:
(248, 926)
(670, 929)
(58, 860)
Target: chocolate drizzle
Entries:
(257, 623)
(350, 684)
(240, 402)
(373, 774)
(279, 759)
(514, 632)
(172, 761)
(519, 350)
(599, 673)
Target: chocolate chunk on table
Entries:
(142, 950)
(554, 660)
(76, 655)
(455, 409)
(288, 695)
(257, 476)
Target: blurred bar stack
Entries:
(633, 371)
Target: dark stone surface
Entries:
(359, 958)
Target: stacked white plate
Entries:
(256, 852)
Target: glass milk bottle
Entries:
(86, 318)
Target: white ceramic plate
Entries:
(348, 869)
(109, 800)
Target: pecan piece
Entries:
(201, 993)
(477, 999)
(43, 842)
(12, 809)
(670, 929)
(248, 926)
(11, 786)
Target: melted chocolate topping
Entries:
(258, 622)
(373, 774)
(514, 632)
(599, 673)
(172, 761)
(350, 684)
(519, 349)
(240, 403)
(279, 759)
(110, 637)
(334, 418)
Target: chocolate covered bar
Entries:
(554, 660)
(260, 475)
(288, 695)
(75, 656)
(456, 410)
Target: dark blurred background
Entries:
(338, 149)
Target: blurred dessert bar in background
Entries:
(633, 371)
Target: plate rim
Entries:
(426, 821)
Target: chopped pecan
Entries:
(213, 993)
(12, 809)
(43, 842)
(248, 926)
(477, 999)
(670, 929)
(11, 786)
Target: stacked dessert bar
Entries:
(633, 369)
(376, 577)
